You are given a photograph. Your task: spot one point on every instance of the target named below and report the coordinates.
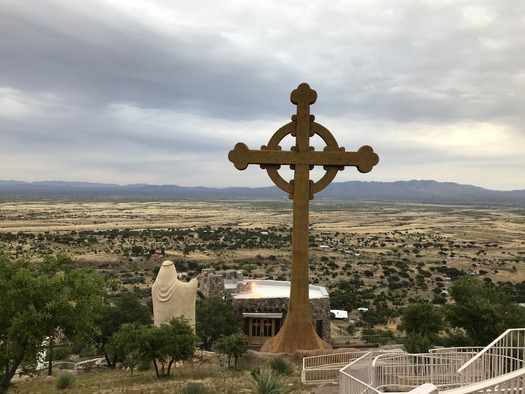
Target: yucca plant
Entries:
(195, 388)
(263, 381)
(281, 366)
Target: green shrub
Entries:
(87, 351)
(264, 382)
(234, 346)
(145, 365)
(281, 366)
(256, 371)
(195, 388)
(12, 389)
(61, 352)
(351, 329)
(417, 343)
(65, 381)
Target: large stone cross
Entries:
(298, 332)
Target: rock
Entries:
(206, 357)
(254, 358)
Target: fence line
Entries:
(325, 368)
(498, 368)
(355, 379)
(513, 382)
(504, 355)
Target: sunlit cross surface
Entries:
(298, 332)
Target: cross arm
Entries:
(364, 159)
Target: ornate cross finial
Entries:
(298, 333)
(333, 158)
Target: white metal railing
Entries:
(321, 374)
(466, 349)
(498, 368)
(356, 377)
(325, 368)
(504, 355)
(427, 388)
(513, 382)
(331, 359)
(411, 370)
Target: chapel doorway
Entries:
(261, 327)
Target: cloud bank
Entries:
(159, 91)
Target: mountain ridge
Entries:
(410, 191)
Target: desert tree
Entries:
(234, 346)
(215, 318)
(74, 299)
(128, 344)
(125, 308)
(38, 301)
(174, 342)
(483, 310)
(422, 318)
(163, 345)
(422, 323)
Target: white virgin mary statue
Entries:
(171, 297)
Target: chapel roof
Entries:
(275, 289)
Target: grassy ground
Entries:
(370, 241)
(217, 379)
(374, 243)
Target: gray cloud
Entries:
(94, 62)
(159, 93)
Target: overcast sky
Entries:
(159, 91)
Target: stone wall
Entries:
(211, 284)
(231, 282)
(320, 309)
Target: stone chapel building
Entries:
(263, 304)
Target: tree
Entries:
(417, 343)
(37, 301)
(164, 345)
(482, 309)
(374, 317)
(235, 345)
(20, 334)
(126, 308)
(128, 344)
(215, 317)
(175, 341)
(74, 299)
(423, 319)
(345, 295)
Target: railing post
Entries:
(432, 365)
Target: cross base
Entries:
(293, 336)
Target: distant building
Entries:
(339, 314)
(438, 277)
(263, 304)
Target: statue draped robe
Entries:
(171, 297)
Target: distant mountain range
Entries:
(410, 191)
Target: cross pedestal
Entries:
(298, 332)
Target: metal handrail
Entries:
(349, 383)
(498, 366)
(501, 356)
(512, 382)
(325, 368)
